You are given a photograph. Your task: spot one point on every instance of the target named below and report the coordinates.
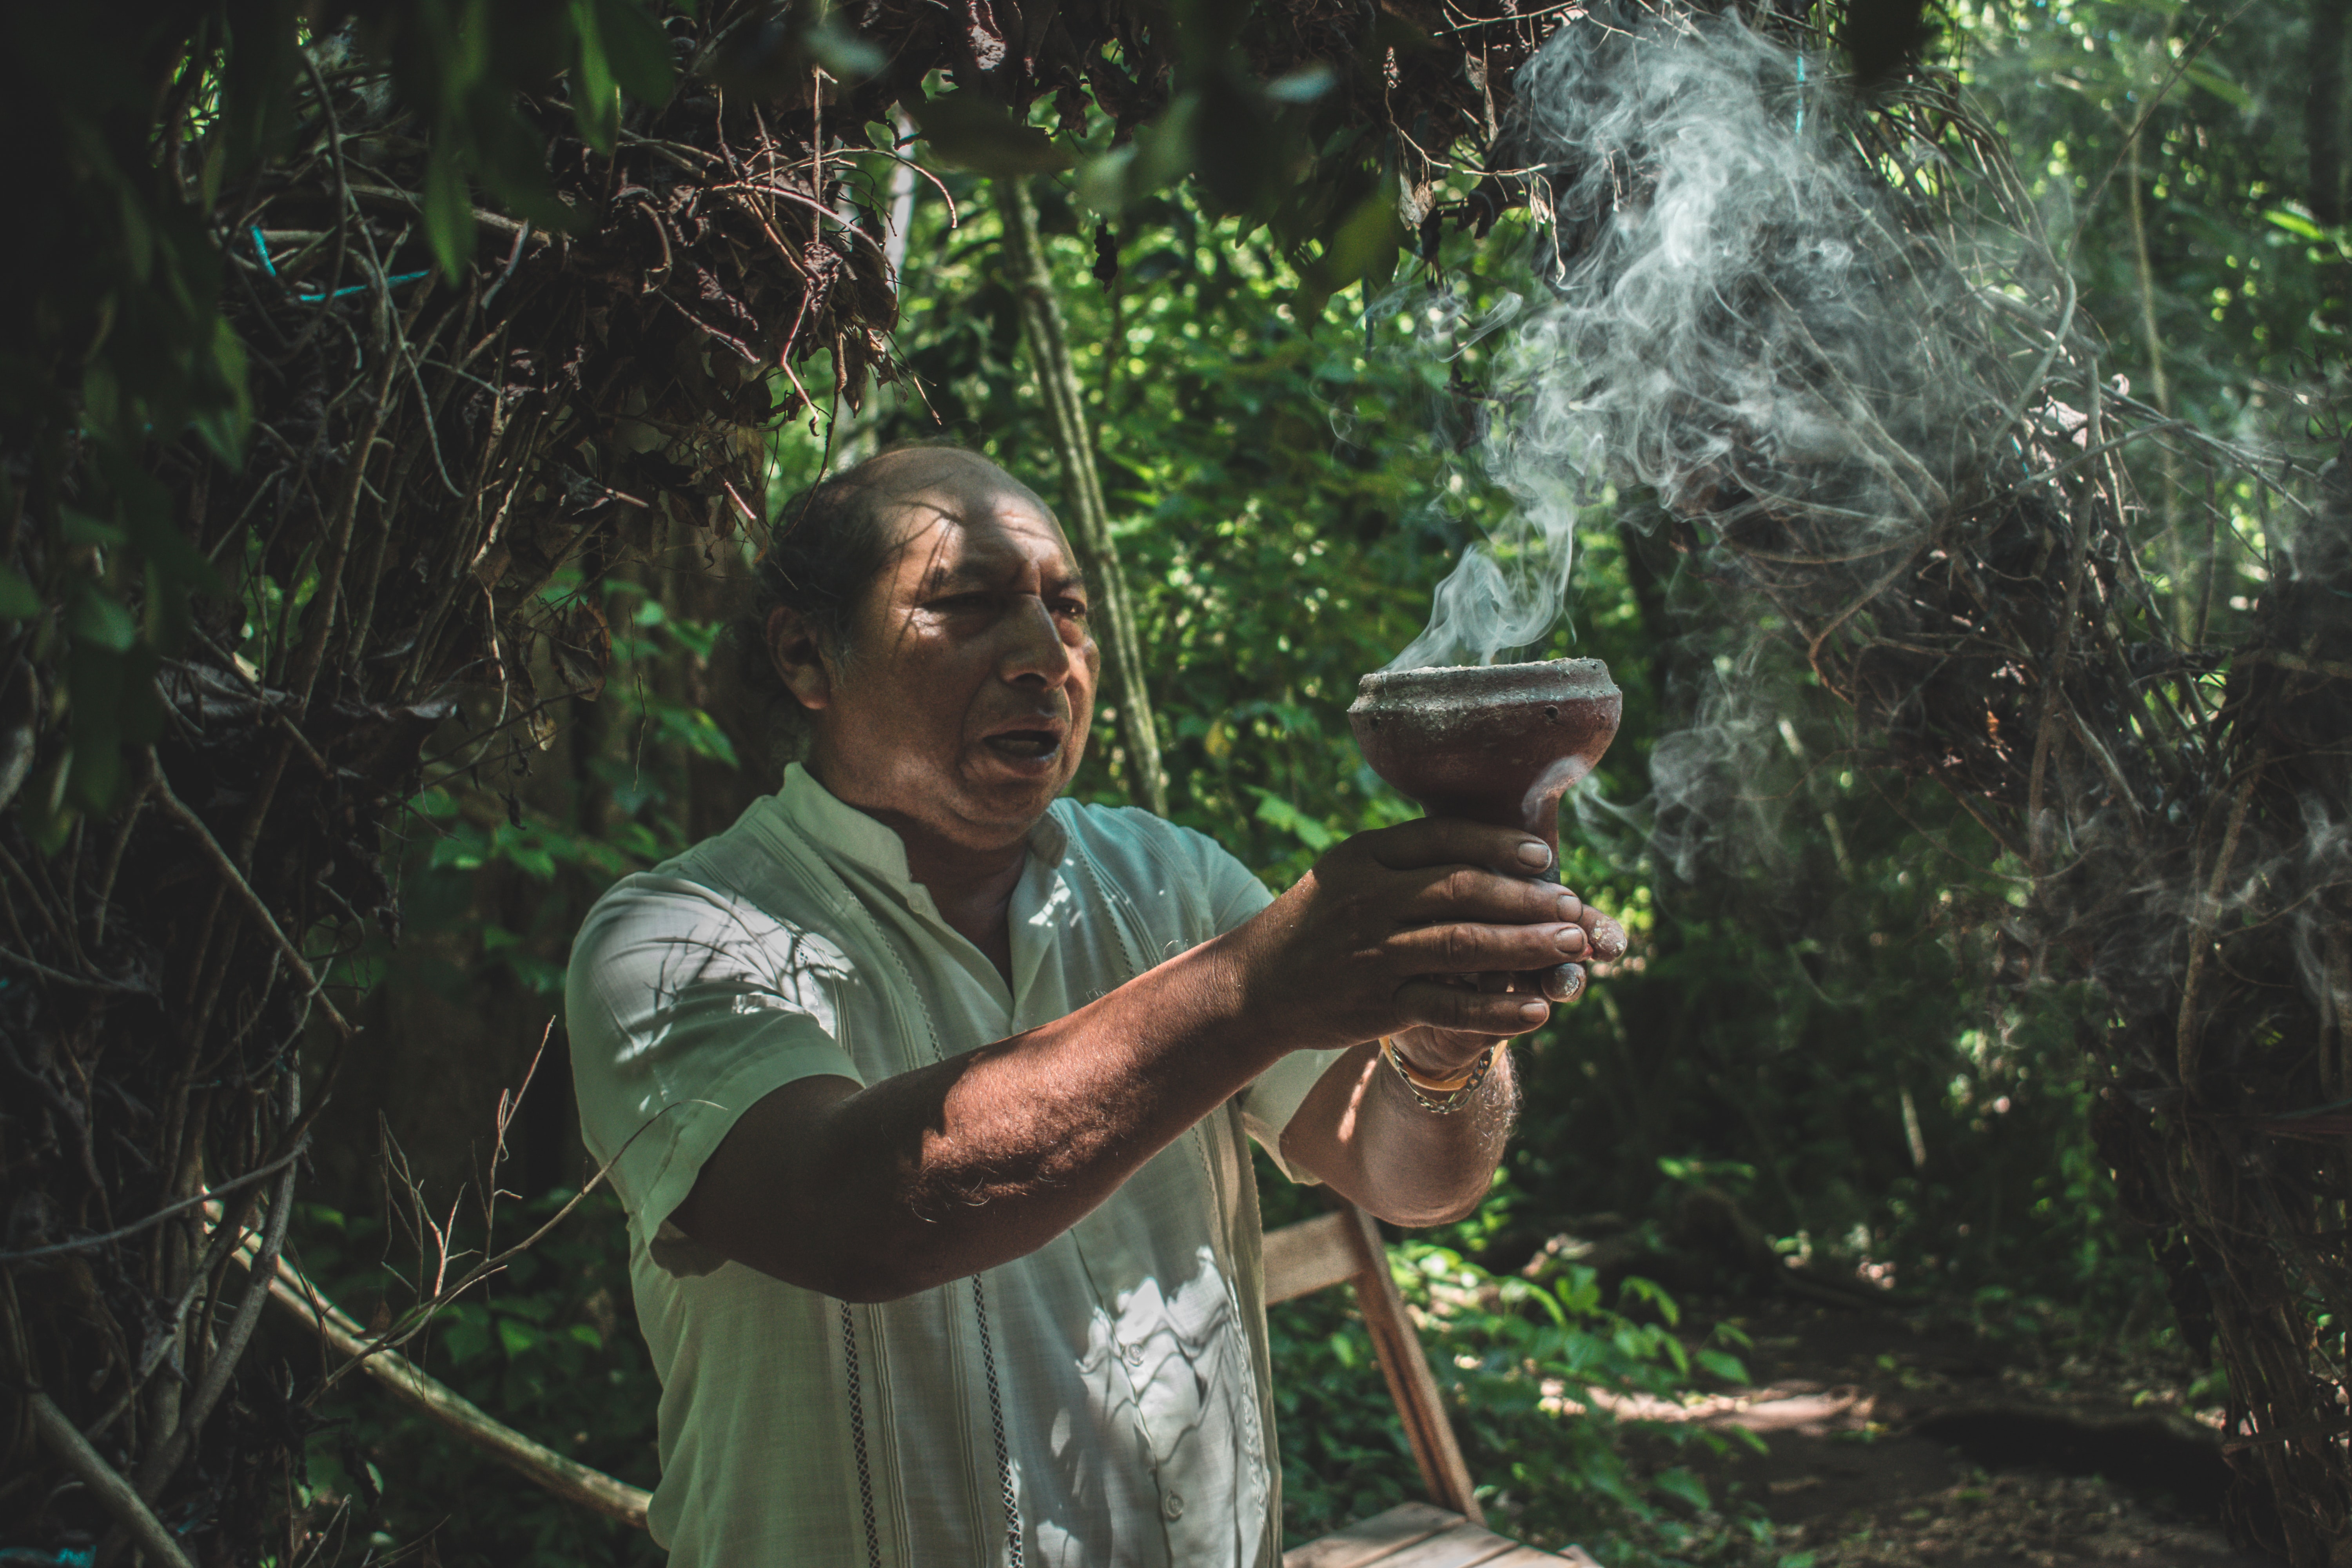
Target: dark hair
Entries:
(825, 546)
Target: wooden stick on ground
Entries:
(105, 1482)
(567, 1478)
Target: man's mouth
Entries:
(1025, 745)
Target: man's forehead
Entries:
(960, 515)
(942, 550)
(946, 479)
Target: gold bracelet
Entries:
(1453, 1093)
(1421, 1079)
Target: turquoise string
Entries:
(261, 249)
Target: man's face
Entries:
(964, 702)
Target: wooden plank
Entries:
(1466, 1545)
(1529, 1557)
(1410, 1385)
(1369, 1539)
(1313, 1255)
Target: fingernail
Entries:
(1570, 907)
(1534, 855)
(1609, 939)
(1535, 1012)
(1570, 938)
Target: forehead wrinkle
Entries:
(962, 553)
(941, 574)
(933, 573)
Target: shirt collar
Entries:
(840, 829)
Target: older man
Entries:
(929, 1091)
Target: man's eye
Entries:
(1074, 608)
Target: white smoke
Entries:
(1728, 318)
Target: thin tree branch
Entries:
(104, 1481)
(243, 891)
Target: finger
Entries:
(1461, 948)
(1450, 841)
(1564, 982)
(1464, 1011)
(1467, 893)
(1607, 937)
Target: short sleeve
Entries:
(685, 1008)
(1275, 1096)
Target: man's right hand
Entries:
(1378, 936)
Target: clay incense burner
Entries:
(1498, 744)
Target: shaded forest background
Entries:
(1819, 1031)
(1817, 1038)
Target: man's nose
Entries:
(1035, 650)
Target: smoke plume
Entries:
(1727, 318)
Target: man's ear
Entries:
(800, 664)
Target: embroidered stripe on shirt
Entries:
(858, 1437)
(1013, 1556)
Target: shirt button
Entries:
(1135, 1356)
(1172, 1505)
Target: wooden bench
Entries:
(1345, 1247)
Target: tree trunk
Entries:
(2323, 113)
(902, 203)
(1089, 518)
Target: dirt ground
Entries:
(1893, 1443)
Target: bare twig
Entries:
(229, 1349)
(2200, 936)
(268, 705)
(88, 983)
(245, 895)
(168, 1211)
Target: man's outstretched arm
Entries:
(876, 1193)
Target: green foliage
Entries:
(484, 826)
(1546, 1381)
(460, 63)
(2236, 297)
(127, 339)
(2211, 246)
(967, 131)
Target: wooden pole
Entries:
(1398, 1347)
(105, 1483)
(567, 1478)
(1087, 518)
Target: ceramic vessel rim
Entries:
(1571, 679)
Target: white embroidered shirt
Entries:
(1104, 1402)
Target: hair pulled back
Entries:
(827, 544)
